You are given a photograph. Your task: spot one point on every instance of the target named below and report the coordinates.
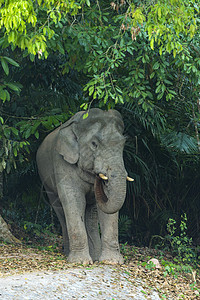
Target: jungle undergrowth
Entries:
(176, 254)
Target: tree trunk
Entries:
(1, 185)
(5, 234)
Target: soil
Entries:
(99, 282)
(31, 273)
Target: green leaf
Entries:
(159, 13)
(158, 88)
(13, 87)
(35, 126)
(91, 90)
(32, 57)
(60, 48)
(11, 61)
(152, 75)
(88, 2)
(7, 95)
(4, 65)
(152, 43)
(180, 142)
(15, 152)
(2, 41)
(15, 131)
(28, 133)
(3, 95)
(3, 164)
(85, 115)
(84, 106)
(37, 135)
(7, 132)
(161, 50)
(156, 65)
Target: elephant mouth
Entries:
(99, 189)
(101, 181)
(110, 193)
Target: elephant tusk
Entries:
(103, 176)
(129, 178)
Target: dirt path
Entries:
(29, 273)
(100, 282)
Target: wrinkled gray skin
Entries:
(69, 161)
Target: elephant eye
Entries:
(94, 145)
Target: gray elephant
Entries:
(82, 169)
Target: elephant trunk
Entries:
(110, 195)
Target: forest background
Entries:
(139, 57)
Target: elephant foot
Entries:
(111, 257)
(79, 257)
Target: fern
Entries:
(180, 142)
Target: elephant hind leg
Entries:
(57, 206)
(92, 228)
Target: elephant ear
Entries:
(67, 144)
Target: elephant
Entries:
(81, 167)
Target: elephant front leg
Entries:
(109, 238)
(92, 227)
(73, 203)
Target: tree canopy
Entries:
(140, 57)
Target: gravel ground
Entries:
(102, 282)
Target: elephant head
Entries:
(95, 144)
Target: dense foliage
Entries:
(141, 57)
